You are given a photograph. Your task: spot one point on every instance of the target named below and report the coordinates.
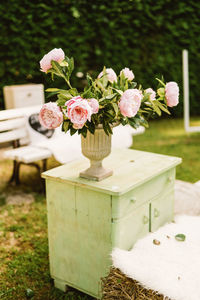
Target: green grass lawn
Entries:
(169, 137)
(23, 228)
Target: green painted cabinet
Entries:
(87, 219)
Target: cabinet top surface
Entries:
(131, 168)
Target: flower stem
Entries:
(68, 82)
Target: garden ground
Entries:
(23, 223)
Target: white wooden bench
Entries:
(13, 129)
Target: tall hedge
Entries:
(145, 35)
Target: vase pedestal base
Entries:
(99, 175)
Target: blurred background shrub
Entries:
(145, 35)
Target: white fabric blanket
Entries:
(66, 148)
(187, 198)
(171, 268)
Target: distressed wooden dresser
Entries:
(23, 95)
(87, 219)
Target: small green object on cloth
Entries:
(180, 237)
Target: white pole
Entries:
(186, 91)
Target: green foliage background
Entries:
(145, 35)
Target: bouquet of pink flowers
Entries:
(106, 100)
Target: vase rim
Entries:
(100, 126)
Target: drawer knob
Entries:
(29, 95)
(133, 200)
(156, 213)
(145, 220)
(170, 179)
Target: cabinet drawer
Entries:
(161, 184)
(23, 95)
(127, 230)
(28, 97)
(162, 210)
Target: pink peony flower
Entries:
(68, 103)
(78, 111)
(110, 74)
(130, 102)
(94, 104)
(172, 93)
(152, 93)
(50, 115)
(55, 54)
(127, 73)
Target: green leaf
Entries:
(73, 92)
(72, 131)
(99, 84)
(163, 108)
(144, 123)
(124, 121)
(109, 129)
(116, 109)
(71, 65)
(61, 102)
(52, 90)
(104, 71)
(160, 81)
(107, 99)
(65, 96)
(105, 128)
(110, 97)
(156, 108)
(64, 64)
(57, 68)
(87, 93)
(122, 77)
(84, 131)
(65, 93)
(146, 97)
(148, 108)
(143, 111)
(65, 126)
(110, 113)
(51, 94)
(180, 237)
(104, 80)
(118, 91)
(89, 79)
(132, 85)
(91, 127)
(133, 122)
(70, 62)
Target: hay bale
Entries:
(118, 286)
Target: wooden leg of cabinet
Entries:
(61, 285)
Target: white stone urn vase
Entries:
(96, 147)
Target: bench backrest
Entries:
(13, 124)
(13, 129)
